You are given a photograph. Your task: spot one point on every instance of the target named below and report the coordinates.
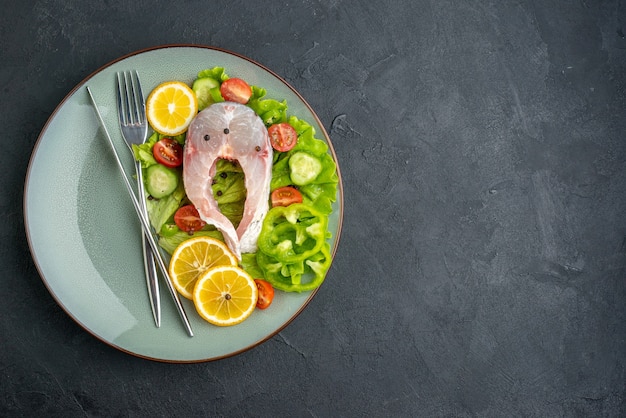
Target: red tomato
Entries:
(285, 196)
(282, 136)
(168, 152)
(188, 219)
(236, 90)
(266, 293)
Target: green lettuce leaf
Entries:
(250, 265)
(269, 110)
(229, 190)
(228, 185)
(216, 73)
(160, 211)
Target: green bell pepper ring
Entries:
(293, 233)
(300, 276)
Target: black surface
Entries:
(482, 266)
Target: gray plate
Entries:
(83, 232)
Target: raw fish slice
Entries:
(234, 132)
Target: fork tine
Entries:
(130, 100)
(120, 104)
(141, 105)
(124, 104)
(137, 97)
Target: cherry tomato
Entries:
(282, 136)
(236, 90)
(285, 196)
(168, 152)
(188, 219)
(266, 293)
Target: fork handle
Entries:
(152, 279)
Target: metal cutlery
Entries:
(144, 222)
(134, 126)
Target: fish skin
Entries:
(235, 133)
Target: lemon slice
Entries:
(225, 295)
(193, 257)
(171, 107)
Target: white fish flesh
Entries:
(230, 131)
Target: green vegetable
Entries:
(292, 233)
(202, 88)
(169, 230)
(299, 276)
(143, 152)
(216, 73)
(207, 86)
(229, 190)
(269, 110)
(161, 211)
(293, 253)
(250, 265)
(228, 184)
(303, 168)
(160, 180)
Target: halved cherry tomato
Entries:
(266, 293)
(236, 90)
(168, 152)
(282, 136)
(285, 196)
(188, 219)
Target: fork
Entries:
(134, 127)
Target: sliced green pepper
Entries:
(292, 233)
(299, 276)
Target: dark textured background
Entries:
(482, 266)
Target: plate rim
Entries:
(39, 141)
